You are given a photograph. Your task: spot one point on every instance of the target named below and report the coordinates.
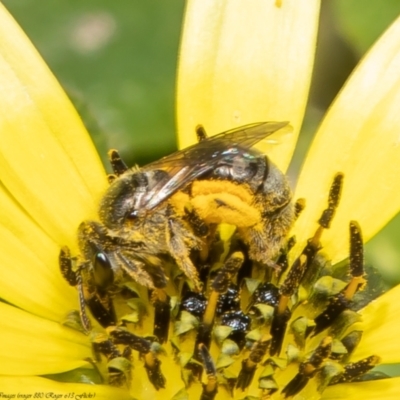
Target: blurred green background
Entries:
(117, 61)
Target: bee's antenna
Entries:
(201, 133)
(117, 164)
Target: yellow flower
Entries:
(239, 64)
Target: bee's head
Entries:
(127, 197)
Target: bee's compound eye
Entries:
(103, 273)
(101, 258)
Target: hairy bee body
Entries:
(172, 206)
(262, 211)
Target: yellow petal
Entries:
(244, 62)
(32, 284)
(31, 345)
(360, 137)
(58, 390)
(381, 326)
(385, 389)
(29, 275)
(47, 160)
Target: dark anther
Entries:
(107, 348)
(201, 133)
(154, 374)
(342, 300)
(293, 279)
(336, 306)
(117, 164)
(210, 389)
(282, 262)
(308, 368)
(313, 244)
(246, 375)
(161, 319)
(295, 385)
(259, 350)
(352, 372)
(116, 377)
(208, 395)
(208, 362)
(249, 365)
(356, 250)
(333, 201)
(143, 346)
(203, 338)
(226, 273)
(310, 251)
(218, 287)
(282, 313)
(321, 352)
(137, 343)
(102, 309)
(278, 329)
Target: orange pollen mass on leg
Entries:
(223, 201)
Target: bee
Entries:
(172, 207)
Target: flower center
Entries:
(249, 332)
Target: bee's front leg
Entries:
(181, 241)
(93, 277)
(74, 278)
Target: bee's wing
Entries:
(186, 165)
(213, 148)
